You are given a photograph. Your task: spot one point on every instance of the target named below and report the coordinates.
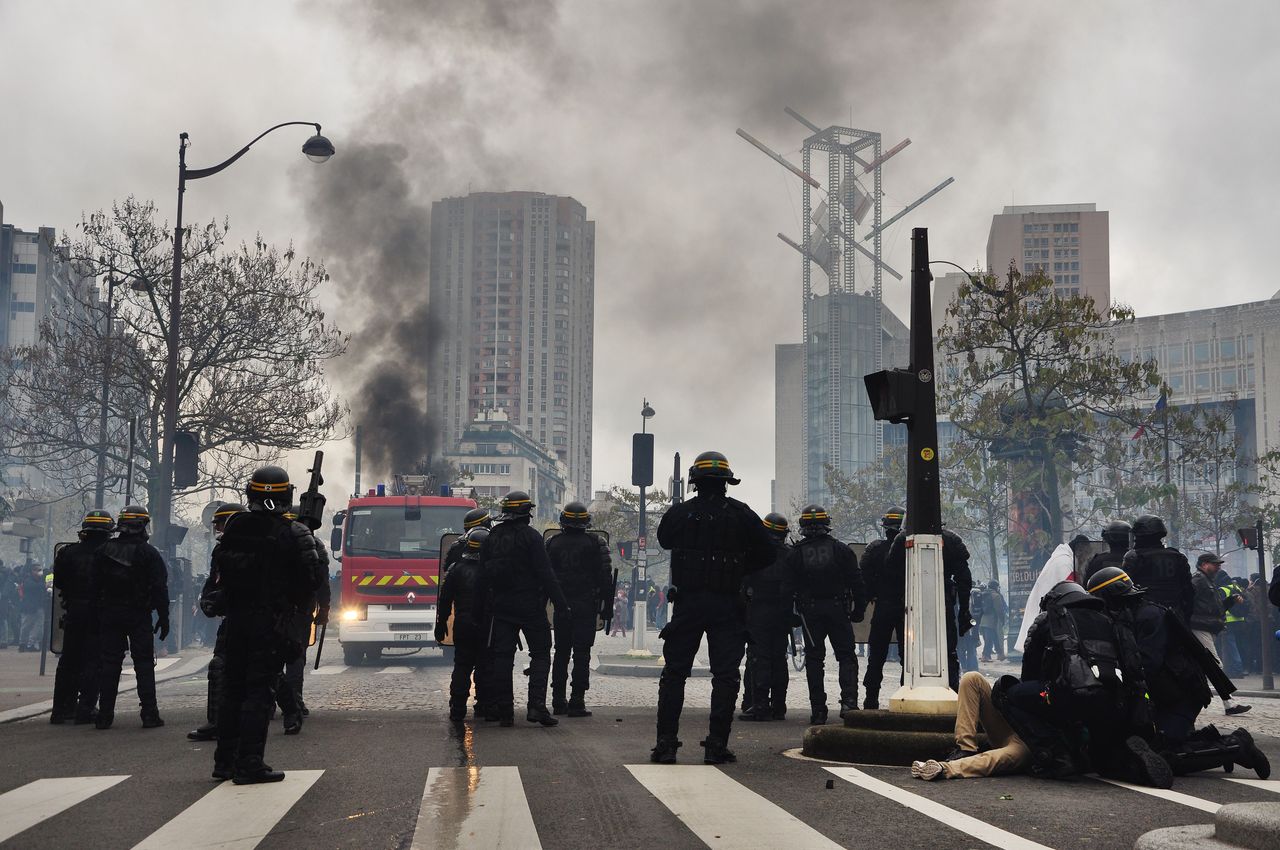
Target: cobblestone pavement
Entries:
(420, 682)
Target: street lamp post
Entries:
(640, 621)
(317, 149)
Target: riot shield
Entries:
(446, 542)
(57, 616)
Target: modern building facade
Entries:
(513, 281)
(36, 282)
(495, 457)
(788, 424)
(1069, 242)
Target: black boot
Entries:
(85, 715)
(871, 702)
(151, 718)
(818, 715)
(578, 704)
(558, 704)
(292, 724)
(506, 715)
(457, 712)
(222, 771)
(539, 714)
(717, 752)
(1248, 755)
(203, 733)
(103, 720)
(664, 752)
(256, 775)
(1146, 766)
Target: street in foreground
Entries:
(372, 771)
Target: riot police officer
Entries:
(475, 518)
(829, 599)
(266, 568)
(769, 594)
(462, 597)
(289, 688)
(520, 581)
(75, 687)
(887, 589)
(128, 582)
(1118, 535)
(715, 541)
(212, 605)
(1163, 571)
(582, 565)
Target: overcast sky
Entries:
(1160, 112)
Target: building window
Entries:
(1175, 356)
(1227, 348)
(1200, 354)
(1204, 381)
(1227, 380)
(1177, 383)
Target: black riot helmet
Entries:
(814, 520)
(711, 465)
(575, 515)
(517, 504)
(892, 522)
(134, 519)
(1068, 594)
(1149, 527)
(1118, 533)
(97, 521)
(269, 490)
(475, 539)
(476, 518)
(1113, 583)
(225, 512)
(776, 524)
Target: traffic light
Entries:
(892, 394)
(626, 548)
(186, 459)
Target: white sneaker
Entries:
(927, 770)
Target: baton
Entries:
(320, 645)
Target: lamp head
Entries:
(318, 148)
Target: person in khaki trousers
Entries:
(1008, 753)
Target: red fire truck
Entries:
(390, 554)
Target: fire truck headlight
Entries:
(351, 614)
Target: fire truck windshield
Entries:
(399, 532)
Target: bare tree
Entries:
(254, 346)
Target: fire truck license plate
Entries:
(411, 636)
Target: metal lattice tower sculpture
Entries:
(831, 243)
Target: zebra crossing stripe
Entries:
(723, 812)
(28, 805)
(161, 664)
(469, 807)
(1171, 796)
(329, 670)
(953, 818)
(396, 668)
(232, 817)
(1261, 784)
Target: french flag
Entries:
(1161, 404)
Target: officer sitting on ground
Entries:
(1177, 669)
(714, 542)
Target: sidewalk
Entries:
(25, 693)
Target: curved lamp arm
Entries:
(197, 173)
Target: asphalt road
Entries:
(378, 766)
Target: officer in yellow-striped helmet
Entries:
(764, 688)
(583, 566)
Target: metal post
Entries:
(357, 491)
(638, 620)
(164, 493)
(1268, 680)
(99, 492)
(128, 475)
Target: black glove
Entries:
(859, 614)
(211, 603)
(162, 627)
(322, 616)
(964, 622)
(442, 631)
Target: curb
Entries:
(35, 709)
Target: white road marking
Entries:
(233, 817)
(400, 668)
(723, 812)
(329, 670)
(946, 815)
(1261, 784)
(1171, 796)
(24, 807)
(469, 807)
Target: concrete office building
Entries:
(1069, 242)
(498, 457)
(513, 281)
(788, 419)
(36, 282)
